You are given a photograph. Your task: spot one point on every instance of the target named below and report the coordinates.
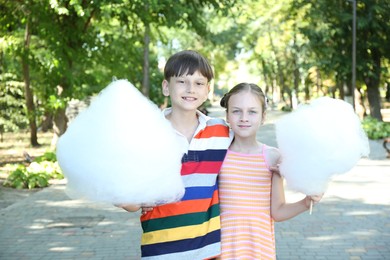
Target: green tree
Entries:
(330, 37)
(76, 47)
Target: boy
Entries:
(190, 228)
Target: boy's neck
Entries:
(185, 123)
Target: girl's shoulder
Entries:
(272, 155)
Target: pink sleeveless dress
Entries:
(245, 201)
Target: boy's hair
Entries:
(186, 63)
(253, 88)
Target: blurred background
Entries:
(55, 55)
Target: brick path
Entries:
(351, 222)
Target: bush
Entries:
(47, 156)
(286, 108)
(36, 175)
(375, 129)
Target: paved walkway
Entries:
(351, 222)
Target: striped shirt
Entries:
(190, 228)
(245, 197)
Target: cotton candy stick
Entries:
(311, 207)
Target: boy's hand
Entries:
(146, 209)
(275, 169)
(129, 207)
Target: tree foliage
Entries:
(296, 50)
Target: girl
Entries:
(251, 197)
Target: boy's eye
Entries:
(235, 111)
(201, 83)
(252, 112)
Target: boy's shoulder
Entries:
(213, 127)
(216, 121)
(211, 121)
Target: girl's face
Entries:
(187, 92)
(245, 114)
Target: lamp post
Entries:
(353, 52)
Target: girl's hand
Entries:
(313, 198)
(316, 198)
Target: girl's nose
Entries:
(244, 117)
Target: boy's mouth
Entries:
(189, 98)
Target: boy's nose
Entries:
(190, 88)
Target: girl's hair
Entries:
(253, 88)
(187, 62)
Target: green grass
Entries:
(14, 145)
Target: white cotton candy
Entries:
(317, 141)
(121, 150)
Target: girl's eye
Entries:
(235, 111)
(252, 112)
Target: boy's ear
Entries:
(165, 89)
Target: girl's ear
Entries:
(165, 88)
(263, 118)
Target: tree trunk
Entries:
(318, 82)
(296, 73)
(295, 100)
(28, 93)
(145, 80)
(47, 122)
(387, 97)
(60, 121)
(269, 88)
(372, 82)
(374, 101)
(340, 87)
(284, 88)
(59, 125)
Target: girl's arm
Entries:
(280, 210)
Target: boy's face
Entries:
(187, 92)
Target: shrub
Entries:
(36, 175)
(375, 129)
